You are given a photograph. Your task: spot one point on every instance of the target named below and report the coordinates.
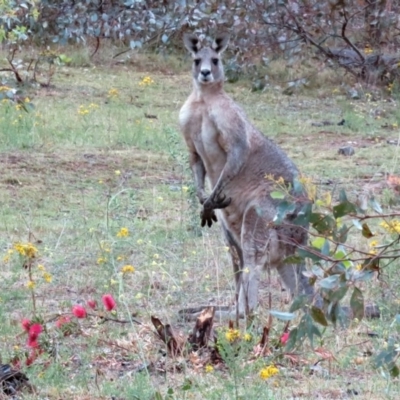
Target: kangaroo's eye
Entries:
(215, 61)
(197, 62)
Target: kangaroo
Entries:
(234, 157)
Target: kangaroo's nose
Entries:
(205, 72)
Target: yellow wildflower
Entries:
(47, 277)
(359, 267)
(209, 368)
(26, 249)
(104, 246)
(374, 243)
(6, 258)
(113, 93)
(117, 172)
(41, 267)
(391, 226)
(139, 241)
(4, 88)
(83, 111)
(269, 371)
(310, 188)
(123, 232)
(27, 100)
(146, 81)
(247, 337)
(368, 50)
(30, 284)
(127, 268)
(101, 260)
(185, 189)
(120, 258)
(156, 256)
(232, 334)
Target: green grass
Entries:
(70, 180)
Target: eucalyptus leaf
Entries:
(284, 316)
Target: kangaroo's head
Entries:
(207, 65)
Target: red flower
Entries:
(92, 304)
(34, 331)
(79, 311)
(62, 321)
(32, 343)
(32, 356)
(26, 324)
(30, 360)
(109, 302)
(16, 363)
(285, 337)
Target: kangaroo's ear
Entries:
(221, 43)
(191, 42)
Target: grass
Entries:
(101, 151)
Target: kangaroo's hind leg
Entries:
(237, 263)
(260, 248)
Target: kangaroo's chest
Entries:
(199, 128)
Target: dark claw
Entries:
(216, 202)
(207, 217)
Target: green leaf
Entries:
(335, 296)
(292, 339)
(318, 316)
(376, 206)
(325, 248)
(307, 254)
(357, 224)
(284, 316)
(385, 357)
(311, 329)
(342, 255)
(293, 260)
(371, 264)
(318, 271)
(318, 242)
(344, 208)
(303, 216)
(187, 384)
(299, 302)
(357, 304)
(330, 282)
(322, 223)
(394, 371)
(284, 208)
(298, 187)
(366, 232)
(340, 235)
(277, 195)
(342, 196)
